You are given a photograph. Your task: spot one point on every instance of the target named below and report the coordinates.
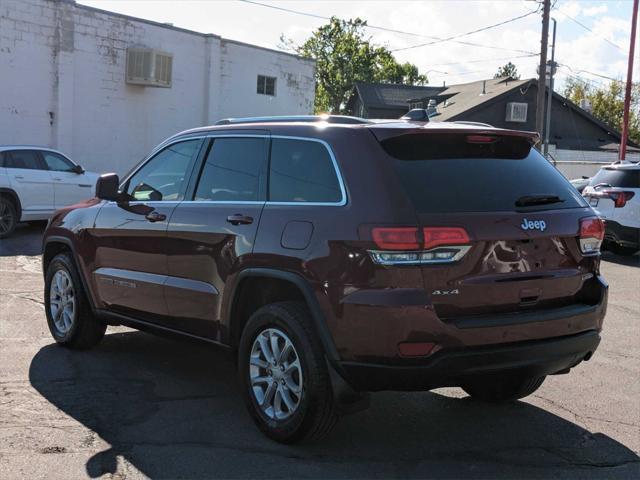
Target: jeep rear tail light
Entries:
(591, 234)
(396, 238)
(411, 246)
(435, 236)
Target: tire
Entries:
(313, 414)
(8, 217)
(500, 388)
(621, 250)
(75, 326)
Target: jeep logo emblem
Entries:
(533, 225)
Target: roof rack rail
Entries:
(479, 124)
(339, 119)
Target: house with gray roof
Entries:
(575, 134)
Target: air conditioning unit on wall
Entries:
(146, 66)
(516, 112)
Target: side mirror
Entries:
(77, 169)
(107, 187)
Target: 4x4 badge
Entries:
(533, 225)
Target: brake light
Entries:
(481, 139)
(405, 245)
(620, 199)
(396, 238)
(591, 234)
(435, 236)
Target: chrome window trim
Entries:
(155, 151)
(343, 191)
(213, 135)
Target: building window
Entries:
(413, 105)
(266, 85)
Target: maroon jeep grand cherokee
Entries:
(339, 256)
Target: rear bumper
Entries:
(622, 235)
(448, 368)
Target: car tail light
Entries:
(435, 236)
(396, 238)
(591, 234)
(620, 199)
(481, 139)
(411, 246)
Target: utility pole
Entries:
(627, 95)
(552, 68)
(543, 66)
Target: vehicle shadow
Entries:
(173, 410)
(630, 260)
(25, 240)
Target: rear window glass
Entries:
(617, 178)
(302, 171)
(443, 174)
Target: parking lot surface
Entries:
(141, 406)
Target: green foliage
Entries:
(607, 103)
(343, 56)
(508, 70)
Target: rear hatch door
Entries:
(521, 215)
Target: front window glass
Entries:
(164, 177)
(57, 162)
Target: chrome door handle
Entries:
(19, 177)
(155, 217)
(58, 179)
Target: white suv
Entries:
(35, 181)
(614, 193)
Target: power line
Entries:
(529, 55)
(587, 28)
(454, 37)
(391, 30)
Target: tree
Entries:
(607, 103)
(344, 55)
(508, 70)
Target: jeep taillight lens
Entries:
(396, 238)
(591, 234)
(412, 246)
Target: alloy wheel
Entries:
(62, 302)
(275, 374)
(7, 218)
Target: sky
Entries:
(592, 35)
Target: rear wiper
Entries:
(529, 200)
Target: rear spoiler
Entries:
(385, 131)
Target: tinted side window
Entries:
(28, 159)
(165, 176)
(233, 170)
(617, 178)
(1, 159)
(302, 171)
(57, 162)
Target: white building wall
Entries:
(577, 163)
(62, 82)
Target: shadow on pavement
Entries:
(628, 260)
(173, 409)
(25, 240)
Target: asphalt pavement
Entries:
(142, 406)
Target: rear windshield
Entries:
(444, 173)
(617, 178)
